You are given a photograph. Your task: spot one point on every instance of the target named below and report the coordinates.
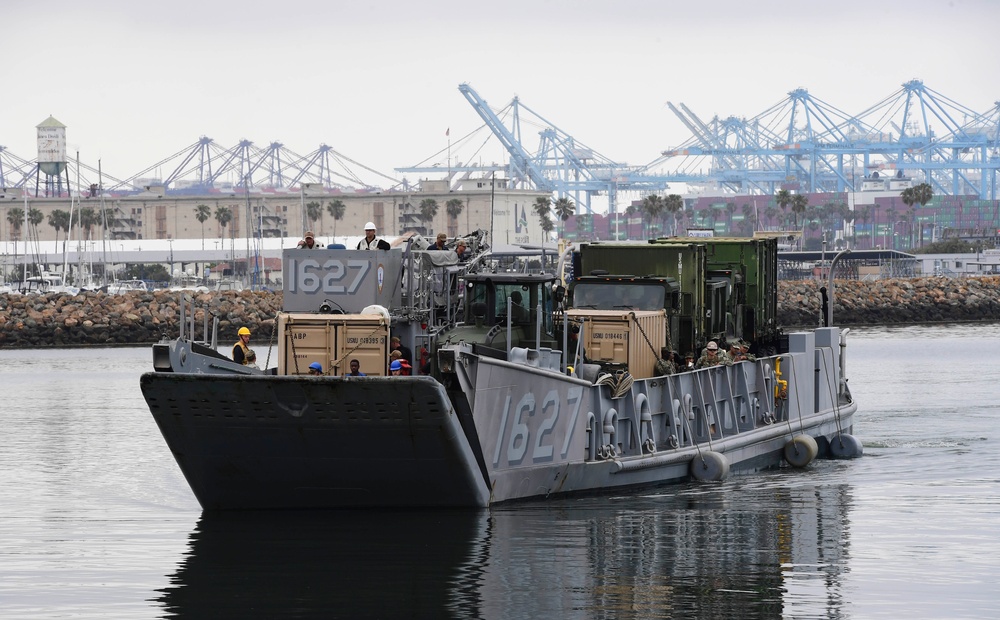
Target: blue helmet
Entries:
(395, 365)
(316, 366)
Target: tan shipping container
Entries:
(612, 336)
(332, 340)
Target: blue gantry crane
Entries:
(559, 164)
(205, 165)
(806, 144)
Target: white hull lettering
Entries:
(541, 432)
(333, 277)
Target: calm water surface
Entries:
(96, 520)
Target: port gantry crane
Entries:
(807, 143)
(560, 165)
(205, 164)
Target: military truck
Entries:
(726, 288)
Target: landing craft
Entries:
(521, 389)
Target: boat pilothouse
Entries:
(46, 283)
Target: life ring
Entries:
(709, 466)
(801, 450)
(846, 446)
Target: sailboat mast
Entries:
(104, 218)
(25, 237)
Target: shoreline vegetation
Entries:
(142, 318)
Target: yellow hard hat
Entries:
(244, 331)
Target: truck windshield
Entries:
(616, 295)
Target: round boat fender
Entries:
(846, 446)
(801, 450)
(709, 466)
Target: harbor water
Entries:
(96, 520)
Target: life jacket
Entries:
(246, 350)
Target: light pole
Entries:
(302, 206)
(822, 257)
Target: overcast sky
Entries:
(136, 82)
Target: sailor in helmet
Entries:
(316, 369)
(370, 242)
(241, 350)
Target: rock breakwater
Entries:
(138, 318)
(881, 302)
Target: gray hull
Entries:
(542, 433)
(262, 442)
(492, 432)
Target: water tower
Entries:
(52, 157)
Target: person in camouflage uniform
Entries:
(665, 365)
(712, 356)
(745, 350)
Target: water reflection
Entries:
(750, 548)
(324, 564)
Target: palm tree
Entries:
(87, 220)
(748, 220)
(15, 217)
(771, 213)
(109, 218)
(923, 194)
(864, 213)
(563, 209)
(547, 228)
(428, 209)
(543, 208)
(919, 194)
(783, 198)
(223, 216)
(454, 208)
(35, 218)
(731, 210)
(652, 206)
(688, 216)
(673, 204)
(59, 220)
(314, 211)
(799, 204)
(336, 208)
(202, 213)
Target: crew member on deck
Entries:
(745, 351)
(316, 369)
(518, 313)
(309, 242)
(396, 345)
(442, 239)
(713, 357)
(370, 242)
(356, 369)
(241, 350)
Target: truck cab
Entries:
(486, 321)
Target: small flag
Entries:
(447, 132)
